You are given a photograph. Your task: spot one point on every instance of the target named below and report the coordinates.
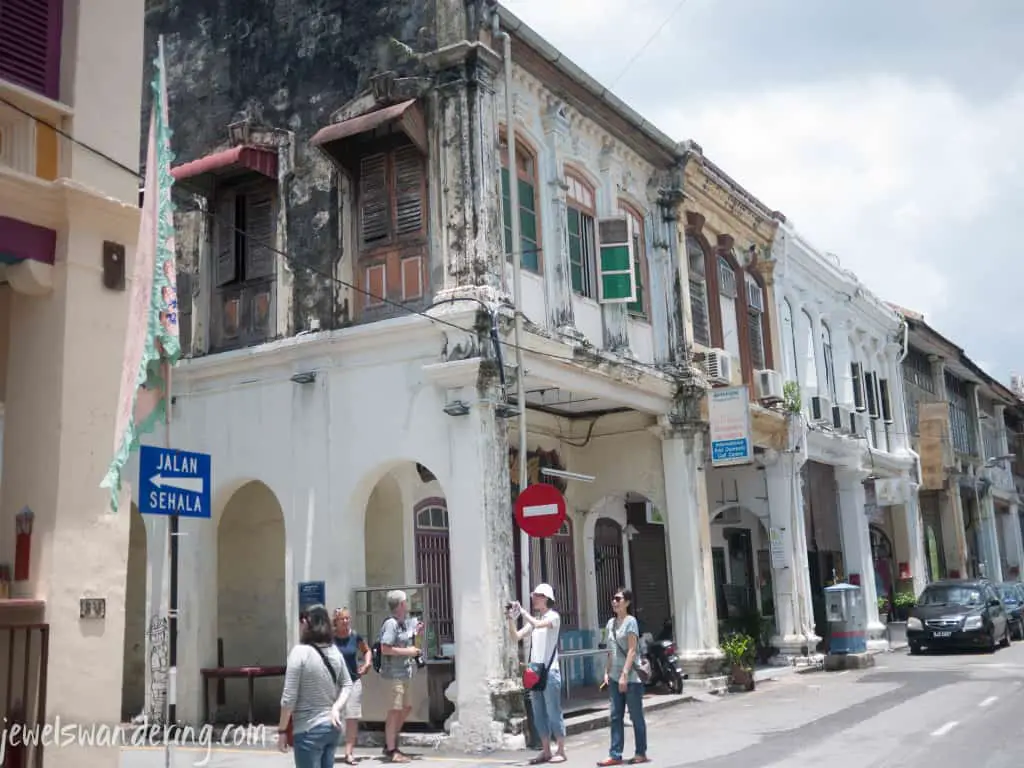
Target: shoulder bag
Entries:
(535, 676)
(641, 665)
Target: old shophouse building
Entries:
(855, 471)
(350, 332)
(966, 427)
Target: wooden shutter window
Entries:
(699, 309)
(408, 191)
(374, 217)
(30, 37)
(227, 261)
(756, 339)
(260, 255)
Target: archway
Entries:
(251, 618)
(407, 546)
(884, 563)
(741, 562)
(133, 686)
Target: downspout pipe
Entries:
(517, 289)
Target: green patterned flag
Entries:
(152, 345)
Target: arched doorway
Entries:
(251, 618)
(884, 562)
(133, 686)
(741, 563)
(407, 545)
(609, 565)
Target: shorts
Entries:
(399, 694)
(354, 705)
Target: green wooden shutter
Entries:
(616, 279)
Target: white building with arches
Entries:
(367, 439)
(851, 455)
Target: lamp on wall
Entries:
(551, 472)
(304, 377)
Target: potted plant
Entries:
(791, 400)
(739, 649)
(883, 608)
(902, 603)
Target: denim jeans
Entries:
(315, 748)
(547, 707)
(634, 699)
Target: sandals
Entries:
(557, 759)
(540, 760)
(349, 760)
(636, 760)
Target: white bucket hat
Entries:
(544, 590)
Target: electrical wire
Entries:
(294, 262)
(646, 45)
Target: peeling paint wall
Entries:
(287, 65)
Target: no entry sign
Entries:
(540, 510)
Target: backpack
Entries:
(375, 653)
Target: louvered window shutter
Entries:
(226, 270)
(260, 255)
(756, 339)
(30, 32)
(374, 216)
(408, 191)
(699, 309)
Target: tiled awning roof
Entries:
(230, 162)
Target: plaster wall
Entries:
(559, 136)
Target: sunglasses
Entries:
(617, 599)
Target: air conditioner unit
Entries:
(717, 366)
(821, 409)
(769, 386)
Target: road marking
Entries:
(945, 729)
(988, 701)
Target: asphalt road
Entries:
(941, 711)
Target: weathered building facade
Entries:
(853, 466)
(347, 257)
(963, 423)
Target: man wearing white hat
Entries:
(543, 677)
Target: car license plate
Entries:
(942, 634)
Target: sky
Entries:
(889, 133)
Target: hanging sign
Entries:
(729, 417)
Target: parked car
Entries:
(1012, 595)
(958, 613)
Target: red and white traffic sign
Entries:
(540, 510)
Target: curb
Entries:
(597, 720)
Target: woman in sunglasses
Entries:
(622, 681)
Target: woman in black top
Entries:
(357, 657)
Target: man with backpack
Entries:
(397, 658)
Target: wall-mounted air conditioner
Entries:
(821, 410)
(717, 365)
(769, 386)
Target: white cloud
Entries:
(877, 170)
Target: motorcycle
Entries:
(665, 665)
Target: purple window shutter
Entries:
(30, 44)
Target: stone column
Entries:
(843, 356)
(689, 546)
(794, 615)
(486, 693)
(915, 540)
(857, 547)
(991, 563)
(463, 170)
(818, 351)
(1010, 523)
(557, 281)
(614, 317)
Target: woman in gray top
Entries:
(316, 688)
(620, 678)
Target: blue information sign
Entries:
(173, 482)
(312, 593)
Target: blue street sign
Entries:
(173, 482)
(312, 593)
